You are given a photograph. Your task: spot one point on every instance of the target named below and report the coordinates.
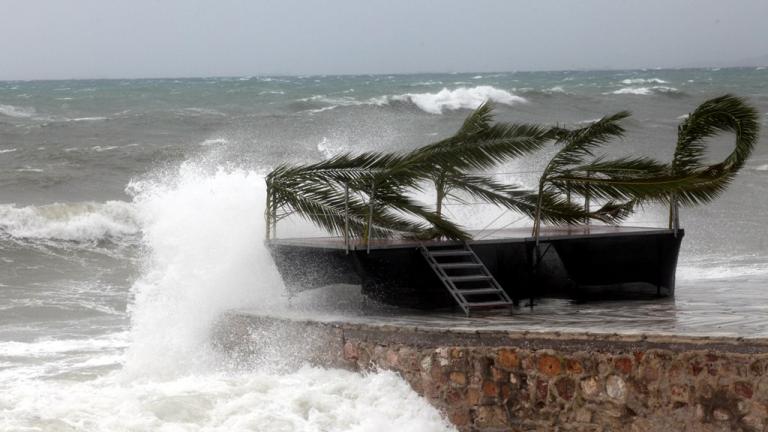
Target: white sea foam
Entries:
(214, 141)
(86, 221)
(630, 81)
(323, 109)
(100, 149)
(459, 98)
(11, 150)
(310, 399)
(16, 112)
(52, 347)
(86, 119)
(645, 91)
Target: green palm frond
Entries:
(726, 113)
(688, 180)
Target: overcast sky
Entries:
(42, 39)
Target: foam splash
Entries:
(85, 221)
(203, 231)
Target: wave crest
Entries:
(459, 98)
(630, 81)
(648, 91)
(86, 221)
(16, 112)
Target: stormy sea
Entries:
(131, 218)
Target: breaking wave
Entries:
(85, 221)
(433, 103)
(16, 112)
(459, 98)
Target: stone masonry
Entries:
(524, 381)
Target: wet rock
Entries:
(616, 388)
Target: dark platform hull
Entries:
(580, 263)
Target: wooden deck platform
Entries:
(478, 237)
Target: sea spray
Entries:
(203, 232)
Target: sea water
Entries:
(131, 218)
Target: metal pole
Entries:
(676, 212)
(346, 217)
(268, 212)
(370, 218)
(586, 203)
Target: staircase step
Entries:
(453, 252)
(461, 265)
(488, 304)
(471, 278)
(478, 291)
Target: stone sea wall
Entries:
(488, 380)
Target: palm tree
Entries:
(367, 194)
(688, 180)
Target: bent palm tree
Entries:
(688, 180)
(368, 194)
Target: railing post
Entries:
(586, 202)
(268, 212)
(675, 215)
(370, 217)
(346, 217)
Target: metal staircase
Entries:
(466, 278)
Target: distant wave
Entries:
(11, 150)
(555, 90)
(434, 103)
(84, 119)
(16, 112)
(214, 141)
(630, 81)
(85, 221)
(648, 91)
(459, 98)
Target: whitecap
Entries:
(459, 98)
(272, 92)
(645, 91)
(214, 141)
(98, 148)
(16, 112)
(7, 150)
(555, 89)
(477, 77)
(30, 169)
(85, 119)
(630, 81)
(319, 110)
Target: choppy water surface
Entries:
(131, 218)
